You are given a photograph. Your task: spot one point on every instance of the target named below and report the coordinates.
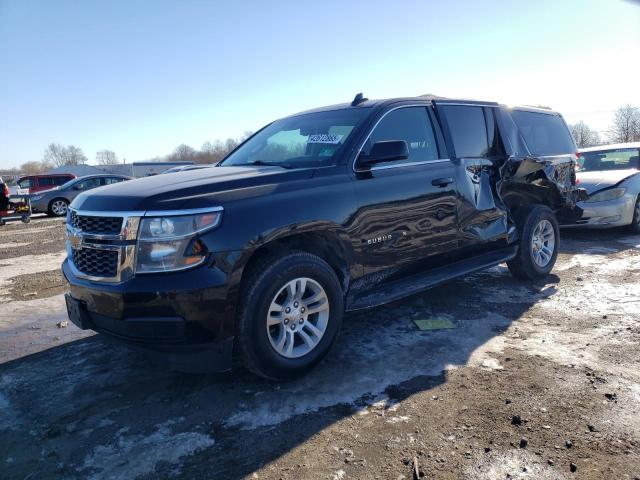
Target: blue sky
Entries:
(139, 78)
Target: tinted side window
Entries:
(110, 180)
(60, 180)
(46, 182)
(410, 124)
(468, 130)
(543, 133)
(88, 184)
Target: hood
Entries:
(201, 188)
(597, 180)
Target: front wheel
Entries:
(58, 207)
(290, 315)
(539, 243)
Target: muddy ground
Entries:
(534, 381)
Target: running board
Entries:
(422, 281)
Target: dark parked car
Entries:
(337, 209)
(39, 183)
(55, 201)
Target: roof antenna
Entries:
(358, 99)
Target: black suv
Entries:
(337, 209)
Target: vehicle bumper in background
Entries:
(180, 318)
(612, 213)
(39, 207)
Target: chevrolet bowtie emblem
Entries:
(75, 240)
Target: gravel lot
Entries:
(535, 381)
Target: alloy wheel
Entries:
(59, 207)
(543, 242)
(298, 317)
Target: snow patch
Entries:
(514, 465)
(130, 456)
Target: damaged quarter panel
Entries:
(540, 162)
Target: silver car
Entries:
(611, 176)
(55, 201)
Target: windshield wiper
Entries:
(264, 163)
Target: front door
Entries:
(407, 209)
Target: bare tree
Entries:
(57, 155)
(75, 156)
(183, 152)
(54, 155)
(32, 168)
(106, 157)
(626, 125)
(584, 135)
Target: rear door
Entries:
(474, 144)
(406, 209)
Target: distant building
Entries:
(134, 169)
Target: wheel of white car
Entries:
(635, 224)
(58, 207)
(291, 313)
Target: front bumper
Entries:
(612, 213)
(184, 318)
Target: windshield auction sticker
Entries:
(325, 138)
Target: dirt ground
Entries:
(536, 381)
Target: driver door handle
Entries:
(441, 182)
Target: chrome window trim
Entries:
(410, 164)
(399, 165)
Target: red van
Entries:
(37, 183)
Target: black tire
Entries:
(524, 266)
(635, 224)
(264, 282)
(50, 211)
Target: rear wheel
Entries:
(635, 224)
(539, 242)
(290, 317)
(58, 207)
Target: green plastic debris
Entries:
(434, 323)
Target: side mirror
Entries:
(386, 151)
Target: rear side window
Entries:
(544, 134)
(468, 130)
(46, 181)
(26, 183)
(60, 180)
(411, 124)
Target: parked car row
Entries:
(56, 200)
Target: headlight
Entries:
(610, 194)
(169, 243)
(35, 198)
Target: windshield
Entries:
(614, 159)
(310, 140)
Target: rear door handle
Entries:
(441, 182)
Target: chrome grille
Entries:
(101, 246)
(95, 224)
(96, 263)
